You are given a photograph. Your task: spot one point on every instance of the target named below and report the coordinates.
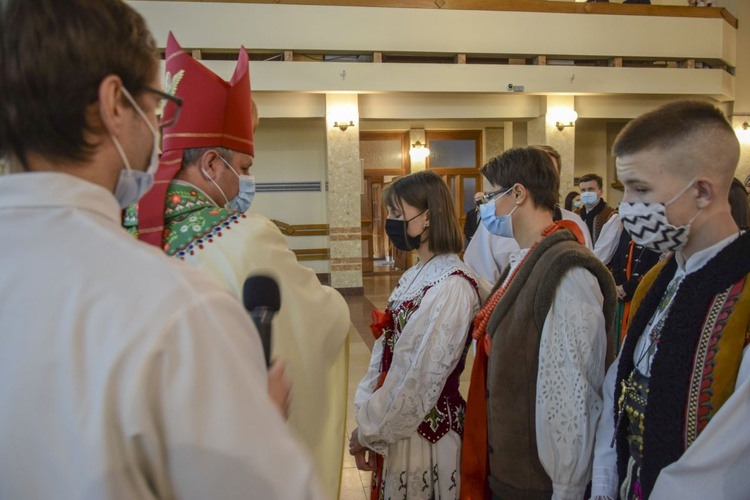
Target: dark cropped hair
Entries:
(592, 177)
(53, 56)
(668, 126)
(569, 200)
(532, 168)
(426, 190)
(552, 152)
(190, 156)
(738, 203)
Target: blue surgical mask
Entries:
(246, 192)
(133, 184)
(501, 225)
(589, 199)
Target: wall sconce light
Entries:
(562, 118)
(743, 132)
(343, 125)
(419, 151)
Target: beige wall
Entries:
(289, 150)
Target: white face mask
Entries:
(133, 184)
(648, 225)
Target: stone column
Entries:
(344, 175)
(495, 141)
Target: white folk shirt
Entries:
(124, 373)
(488, 254)
(716, 465)
(572, 354)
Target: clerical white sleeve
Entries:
(488, 254)
(309, 332)
(569, 381)
(717, 464)
(605, 481)
(427, 351)
(221, 437)
(608, 239)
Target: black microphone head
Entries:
(261, 291)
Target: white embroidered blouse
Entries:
(426, 352)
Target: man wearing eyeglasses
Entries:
(488, 254)
(123, 374)
(197, 212)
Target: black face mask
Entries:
(396, 231)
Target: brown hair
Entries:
(569, 200)
(532, 168)
(426, 190)
(53, 56)
(552, 152)
(592, 177)
(668, 126)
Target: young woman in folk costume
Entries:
(409, 411)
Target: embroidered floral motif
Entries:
(434, 417)
(192, 220)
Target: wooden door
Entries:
(456, 155)
(385, 156)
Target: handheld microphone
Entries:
(260, 295)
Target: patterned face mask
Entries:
(648, 225)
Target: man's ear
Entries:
(706, 192)
(111, 105)
(208, 163)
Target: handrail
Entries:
(518, 6)
(312, 254)
(301, 229)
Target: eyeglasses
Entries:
(487, 197)
(169, 108)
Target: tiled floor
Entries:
(355, 484)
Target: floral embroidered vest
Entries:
(191, 220)
(450, 409)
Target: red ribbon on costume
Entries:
(381, 321)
